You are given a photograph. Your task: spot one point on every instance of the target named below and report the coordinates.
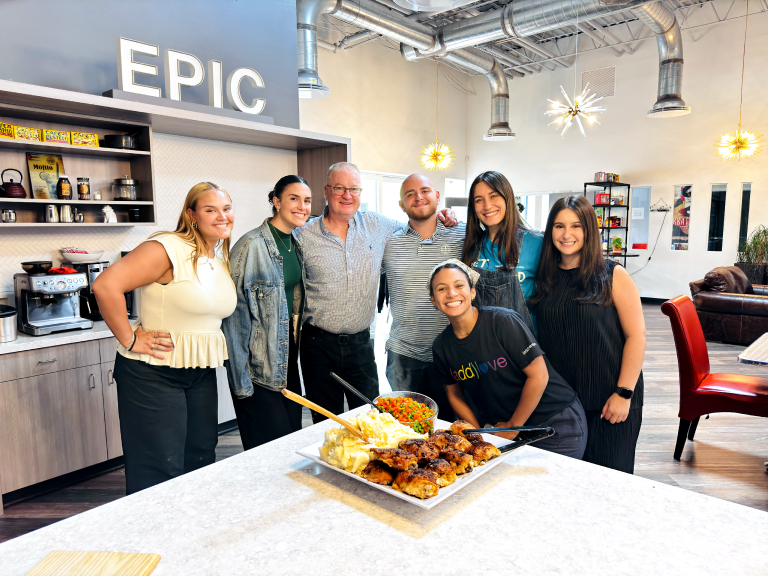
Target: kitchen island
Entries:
(270, 511)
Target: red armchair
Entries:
(701, 392)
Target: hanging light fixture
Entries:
(436, 156)
(582, 106)
(740, 144)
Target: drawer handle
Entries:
(110, 380)
(92, 381)
(47, 361)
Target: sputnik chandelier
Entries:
(582, 106)
(740, 144)
(436, 156)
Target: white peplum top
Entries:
(190, 307)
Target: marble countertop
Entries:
(27, 342)
(269, 511)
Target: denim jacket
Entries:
(257, 332)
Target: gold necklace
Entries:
(290, 239)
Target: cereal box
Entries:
(57, 136)
(6, 130)
(21, 133)
(85, 139)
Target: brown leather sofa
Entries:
(730, 309)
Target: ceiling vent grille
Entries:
(602, 81)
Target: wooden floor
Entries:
(726, 460)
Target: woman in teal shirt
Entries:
(500, 247)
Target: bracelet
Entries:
(132, 343)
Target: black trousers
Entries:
(267, 415)
(406, 373)
(613, 445)
(348, 355)
(168, 420)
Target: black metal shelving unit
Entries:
(609, 186)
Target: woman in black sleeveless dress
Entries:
(591, 327)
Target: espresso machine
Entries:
(89, 308)
(48, 303)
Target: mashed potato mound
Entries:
(344, 450)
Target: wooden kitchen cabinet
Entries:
(51, 425)
(111, 416)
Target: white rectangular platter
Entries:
(312, 452)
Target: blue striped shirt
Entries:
(408, 260)
(342, 280)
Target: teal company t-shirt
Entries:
(530, 252)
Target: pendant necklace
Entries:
(290, 240)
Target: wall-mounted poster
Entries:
(681, 217)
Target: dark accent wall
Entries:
(72, 44)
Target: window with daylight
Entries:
(716, 218)
(746, 192)
(455, 194)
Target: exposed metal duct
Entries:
(663, 23)
(307, 13)
(421, 41)
(432, 5)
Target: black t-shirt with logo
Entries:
(489, 364)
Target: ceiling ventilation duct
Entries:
(421, 41)
(432, 5)
(307, 13)
(663, 23)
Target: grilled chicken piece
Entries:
(473, 437)
(461, 461)
(398, 459)
(379, 473)
(456, 442)
(483, 451)
(420, 483)
(446, 474)
(439, 439)
(422, 449)
(459, 426)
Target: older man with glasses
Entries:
(342, 252)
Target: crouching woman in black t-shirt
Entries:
(490, 353)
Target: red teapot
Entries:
(12, 189)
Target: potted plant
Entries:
(752, 255)
(616, 245)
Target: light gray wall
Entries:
(72, 44)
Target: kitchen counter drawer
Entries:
(47, 360)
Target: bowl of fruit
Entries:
(410, 408)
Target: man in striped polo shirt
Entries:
(342, 252)
(409, 257)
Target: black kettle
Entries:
(12, 189)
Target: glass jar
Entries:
(125, 188)
(83, 189)
(63, 188)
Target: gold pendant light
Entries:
(436, 156)
(740, 144)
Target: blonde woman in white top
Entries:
(165, 366)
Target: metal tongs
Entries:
(530, 434)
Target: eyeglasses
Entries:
(340, 190)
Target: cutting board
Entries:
(70, 563)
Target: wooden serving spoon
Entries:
(312, 406)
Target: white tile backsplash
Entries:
(248, 173)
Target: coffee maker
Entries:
(49, 303)
(89, 308)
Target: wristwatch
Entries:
(625, 393)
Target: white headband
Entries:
(473, 275)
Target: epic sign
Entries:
(174, 80)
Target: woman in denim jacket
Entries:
(262, 333)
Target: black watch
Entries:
(624, 392)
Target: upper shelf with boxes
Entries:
(64, 169)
